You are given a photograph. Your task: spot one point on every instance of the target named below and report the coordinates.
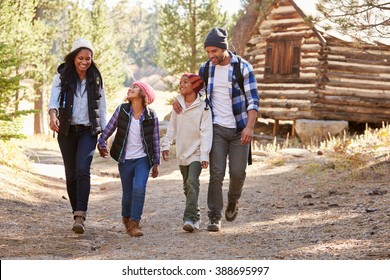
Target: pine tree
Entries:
(183, 27)
(43, 62)
(17, 32)
(18, 37)
(9, 81)
(107, 53)
(10, 122)
(136, 30)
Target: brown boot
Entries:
(126, 222)
(79, 218)
(134, 229)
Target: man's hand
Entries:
(246, 135)
(177, 107)
(205, 164)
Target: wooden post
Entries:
(293, 129)
(276, 128)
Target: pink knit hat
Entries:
(147, 90)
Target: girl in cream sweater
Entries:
(192, 132)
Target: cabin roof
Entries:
(308, 8)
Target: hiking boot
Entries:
(126, 222)
(214, 225)
(231, 211)
(188, 226)
(79, 218)
(134, 228)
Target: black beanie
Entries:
(217, 37)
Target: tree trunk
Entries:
(245, 26)
(38, 117)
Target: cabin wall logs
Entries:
(337, 80)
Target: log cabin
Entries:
(304, 72)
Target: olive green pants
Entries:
(191, 184)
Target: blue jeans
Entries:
(226, 143)
(191, 184)
(77, 149)
(134, 175)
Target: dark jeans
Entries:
(134, 175)
(190, 175)
(77, 151)
(226, 143)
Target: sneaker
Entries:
(197, 224)
(231, 211)
(214, 225)
(188, 226)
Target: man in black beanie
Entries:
(234, 115)
(234, 112)
(217, 37)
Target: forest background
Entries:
(326, 202)
(131, 42)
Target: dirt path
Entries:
(294, 206)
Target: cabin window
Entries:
(283, 59)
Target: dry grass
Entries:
(12, 155)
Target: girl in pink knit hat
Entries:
(136, 148)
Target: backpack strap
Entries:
(62, 96)
(205, 77)
(238, 74)
(206, 74)
(240, 81)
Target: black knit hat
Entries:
(217, 37)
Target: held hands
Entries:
(205, 164)
(103, 152)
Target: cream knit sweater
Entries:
(192, 130)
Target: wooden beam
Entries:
(293, 129)
(356, 85)
(276, 128)
(373, 94)
(383, 111)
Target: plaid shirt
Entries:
(242, 102)
(113, 124)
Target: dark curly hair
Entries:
(69, 72)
